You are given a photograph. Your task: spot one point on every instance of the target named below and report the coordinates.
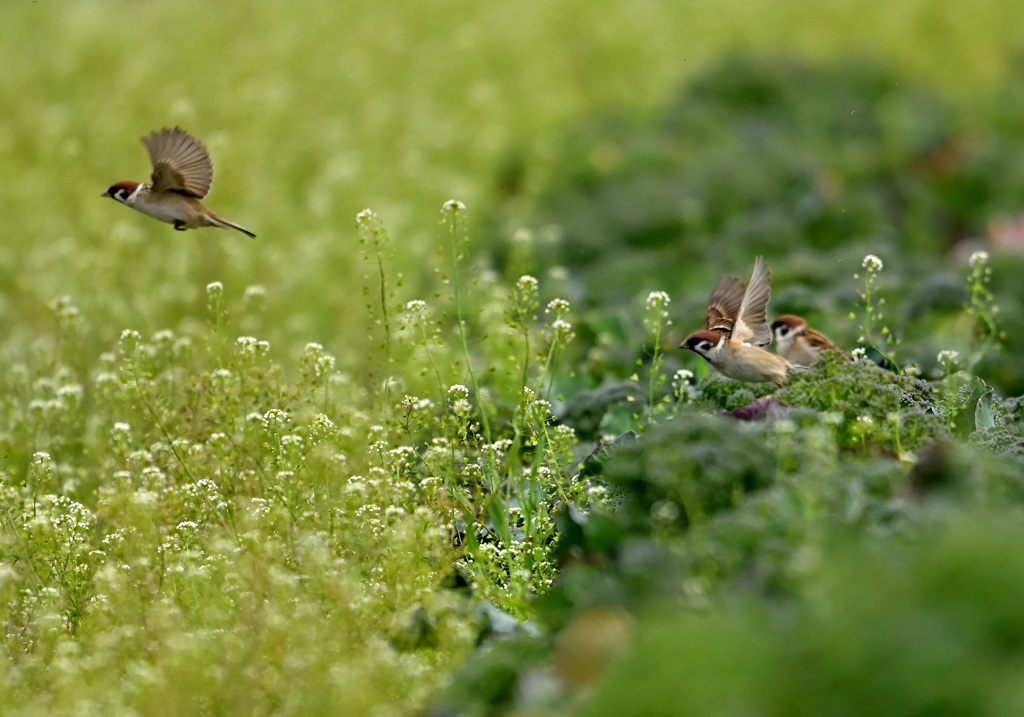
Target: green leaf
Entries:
(983, 418)
(976, 413)
(498, 514)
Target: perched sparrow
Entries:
(736, 326)
(797, 342)
(182, 175)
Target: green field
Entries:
(353, 466)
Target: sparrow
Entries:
(797, 342)
(735, 328)
(182, 175)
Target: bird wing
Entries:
(752, 320)
(820, 341)
(724, 304)
(180, 162)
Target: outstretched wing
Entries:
(180, 162)
(724, 304)
(752, 320)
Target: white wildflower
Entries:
(872, 263)
(978, 259)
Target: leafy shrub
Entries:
(690, 468)
(868, 405)
(930, 626)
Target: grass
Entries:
(345, 465)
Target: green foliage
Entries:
(188, 493)
(701, 508)
(715, 392)
(870, 407)
(688, 469)
(350, 464)
(814, 166)
(200, 509)
(932, 626)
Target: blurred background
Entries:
(610, 148)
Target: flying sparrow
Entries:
(182, 175)
(736, 327)
(797, 342)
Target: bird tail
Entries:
(225, 224)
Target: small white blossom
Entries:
(253, 292)
(275, 420)
(259, 507)
(454, 205)
(65, 307)
(70, 393)
(219, 440)
(106, 379)
(319, 361)
(322, 425)
(562, 329)
(249, 346)
(152, 472)
(144, 498)
(542, 407)
(413, 403)
(658, 300)
(527, 283)
(557, 306)
(292, 439)
(978, 259)
(140, 457)
(859, 354)
(872, 263)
